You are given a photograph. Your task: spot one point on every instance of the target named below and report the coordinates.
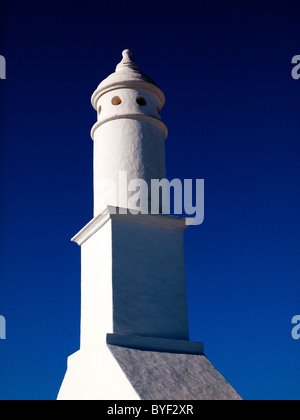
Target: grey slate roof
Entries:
(172, 376)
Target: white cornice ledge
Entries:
(92, 227)
(111, 212)
(132, 117)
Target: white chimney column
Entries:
(133, 270)
(129, 136)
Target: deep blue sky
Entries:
(232, 109)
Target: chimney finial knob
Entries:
(127, 63)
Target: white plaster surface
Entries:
(96, 286)
(132, 145)
(128, 136)
(133, 277)
(133, 282)
(129, 103)
(149, 286)
(94, 374)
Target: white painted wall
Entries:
(149, 286)
(94, 374)
(129, 104)
(133, 277)
(129, 143)
(96, 286)
(133, 282)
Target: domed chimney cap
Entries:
(127, 75)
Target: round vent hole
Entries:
(116, 100)
(141, 101)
